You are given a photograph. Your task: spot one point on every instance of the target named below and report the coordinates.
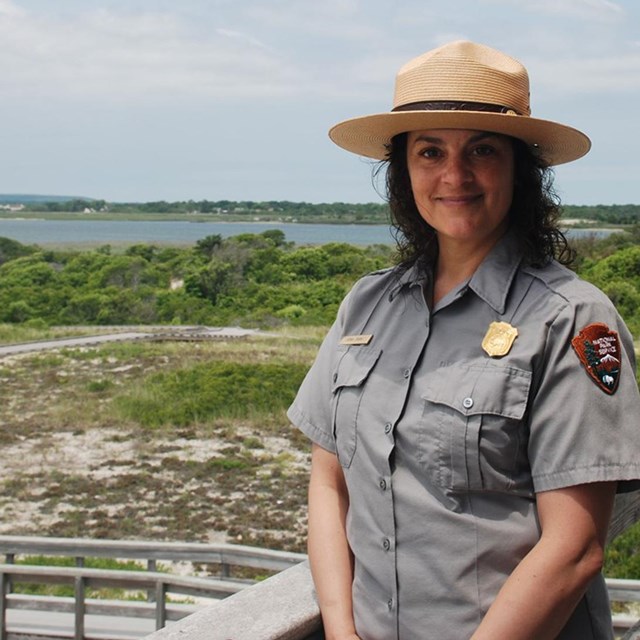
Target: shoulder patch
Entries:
(598, 348)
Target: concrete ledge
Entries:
(283, 607)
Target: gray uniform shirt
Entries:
(444, 447)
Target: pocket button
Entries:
(467, 403)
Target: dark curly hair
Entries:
(533, 214)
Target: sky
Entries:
(143, 100)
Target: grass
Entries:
(212, 390)
(68, 590)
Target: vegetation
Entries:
(249, 279)
(622, 558)
(214, 390)
(613, 265)
(68, 591)
(256, 279)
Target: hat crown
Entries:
(467, 72)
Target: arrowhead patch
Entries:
(598, 348)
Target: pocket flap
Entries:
(474, 389)
(354, 367)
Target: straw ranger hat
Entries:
(461, 85)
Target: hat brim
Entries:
(370, 135)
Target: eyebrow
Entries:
(482, 135)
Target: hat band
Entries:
(454, 105)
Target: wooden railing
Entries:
(280, 608)
(81, 579)
(226, 558)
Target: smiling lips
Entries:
(459, 200)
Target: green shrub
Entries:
(622, 557)
(212, 390)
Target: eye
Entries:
(483, 150)
(430, 152)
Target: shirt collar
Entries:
(492, 279)
(410, 277)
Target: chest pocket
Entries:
(474, 434)
(349, 379)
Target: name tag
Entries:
(361, 339)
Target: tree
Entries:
(11, 249)
(207, 245)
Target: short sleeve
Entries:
(579, 432)
(311, 408)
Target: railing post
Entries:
(9, 558)
(161, 610)
(3, 605)
(151, 594)
(79, 608)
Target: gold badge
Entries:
(499, 339)
(361, 339)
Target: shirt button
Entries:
(387, 427)
(386, 544)
(390, 603)
(335, 377)
(383, 484)
(406, 373)
(467, 403)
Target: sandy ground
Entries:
(69, 470)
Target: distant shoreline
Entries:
(569, 223)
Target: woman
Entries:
(473, 411)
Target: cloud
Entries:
(242, 37)
(133, 56)
(592, 10)
(619, 73)
(8, 8)
(331, 19)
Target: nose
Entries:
(457, 169)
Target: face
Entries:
(462, 183)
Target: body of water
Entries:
(101, 232)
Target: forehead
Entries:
(454, 136)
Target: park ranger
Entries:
(474, 409)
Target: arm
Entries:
(539, 596)
(329, 554)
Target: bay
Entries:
(91, 233)
(101, 232)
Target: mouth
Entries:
(459, 200)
